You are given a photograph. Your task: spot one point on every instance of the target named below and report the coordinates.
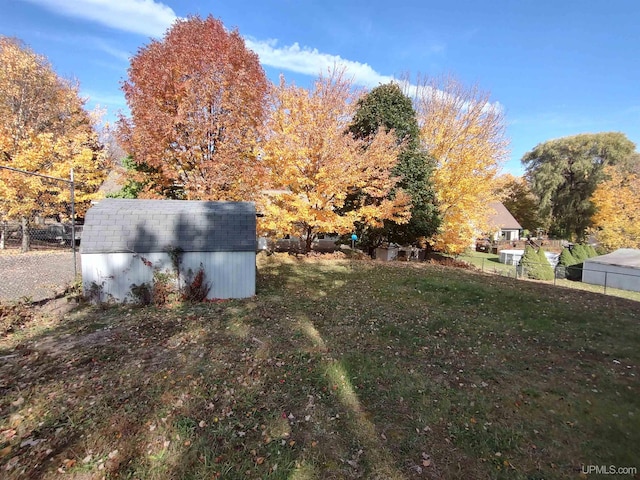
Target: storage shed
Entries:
(619, 269)
(125, 241)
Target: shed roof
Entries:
(502, 217)
(120, 225)
(623, 257)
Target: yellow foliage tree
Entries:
(617, 201)
(44, 129)
(465, 133)
(313, 164)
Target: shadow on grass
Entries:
(334, 370)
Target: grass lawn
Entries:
(336, 369)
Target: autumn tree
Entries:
(44, 129)
(197, 99)
(564, 173)
(616, 200)
(312, 166)
(465, 133)
(387, 107)
(516, 195)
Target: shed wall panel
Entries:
(231, 274)
(614, 276)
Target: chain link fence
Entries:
(617, 283)
(38, 240)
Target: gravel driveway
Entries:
(38, 275)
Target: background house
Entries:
(503, 225)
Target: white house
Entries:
(502, 223)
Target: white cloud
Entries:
(145, 17)
(152, 18)
(110, 50)
(310, 61)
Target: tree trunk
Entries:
(308, 240)
(26, 239)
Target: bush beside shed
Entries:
(125, 241)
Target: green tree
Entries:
(545, 270)
(591, 251)
(387, 107)
(579, 253)
(565, 261)
(564, 173)
(535, 264)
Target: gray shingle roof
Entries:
(118, 225)
(623, 257)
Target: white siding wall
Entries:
(231, 274)
(624, 278)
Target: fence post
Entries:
(605, 282)
(483, 264)
(73, 224)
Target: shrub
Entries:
(141, 294)
(579, 253)
(195, 288)
(591, 252)
(564, 262)
(546, 270)
(566, 259)
(533, 265)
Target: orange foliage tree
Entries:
(44, 129)
(616, 221)
(312, 163)
(465, 133)
(197, 98)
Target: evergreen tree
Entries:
(591, 252)
(566, 260)
(533, 266)
(579, 253)
(545, 270)
(386, 106)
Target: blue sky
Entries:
(557, 67)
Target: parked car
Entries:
(483, 245)
(57, 233)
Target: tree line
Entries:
(413, 161)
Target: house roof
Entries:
(501, 217)
(123, 225)
(623, 257)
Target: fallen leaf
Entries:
(5, 451)
(260, 460)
